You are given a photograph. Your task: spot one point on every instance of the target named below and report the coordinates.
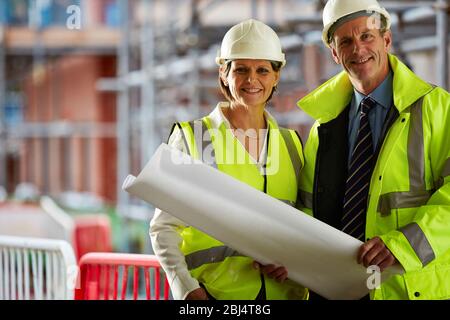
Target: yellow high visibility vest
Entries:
(225, 273)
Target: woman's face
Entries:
(250, 81)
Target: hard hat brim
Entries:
(354, 15)
(221, 61)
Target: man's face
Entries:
(362, 50)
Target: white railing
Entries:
(36, 269)
(59, 216)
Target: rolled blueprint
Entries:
(315, 254)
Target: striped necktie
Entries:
(358, 177)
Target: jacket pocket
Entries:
(431, 283)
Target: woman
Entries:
(244, 141)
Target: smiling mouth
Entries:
(251, 90)
(361, 61)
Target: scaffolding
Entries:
(3, 133)
(165, 69)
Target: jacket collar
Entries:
(217, 118)
(327, 101)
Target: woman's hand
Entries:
(197, 294)
(279, 274)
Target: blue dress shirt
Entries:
(384, 99)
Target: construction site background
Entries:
(90, 88)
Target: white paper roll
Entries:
(315, 254)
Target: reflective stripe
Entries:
(202, 139)
(196, 128)
(293, 153)
(418, 242)
(417, 194)
(416, 158)
(206, 142)
(211, 255)
(399, 200)
(306, 198)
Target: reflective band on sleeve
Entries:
(418, 242)
(293, 153)
(306, 198)
(401, 200)
(211, 255)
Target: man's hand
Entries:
(197, 294)
(375, 252)
(280, 274)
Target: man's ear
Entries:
(334, 54)
(387, 38)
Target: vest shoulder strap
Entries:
(178, 125)
(296, 161)
(198, 137)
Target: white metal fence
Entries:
(36, 269)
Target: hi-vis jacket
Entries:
(225, 273)
(409, 197)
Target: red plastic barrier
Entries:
(105, 276)
(92, 234)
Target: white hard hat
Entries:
(337, 9)
(250, 39)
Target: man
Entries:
(377, 161)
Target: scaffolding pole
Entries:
(147, 107)
(3, 172)
(270, 12)
(123, 121)
(40, 64)
(254, 9)
(194, 54)
(442, 42)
